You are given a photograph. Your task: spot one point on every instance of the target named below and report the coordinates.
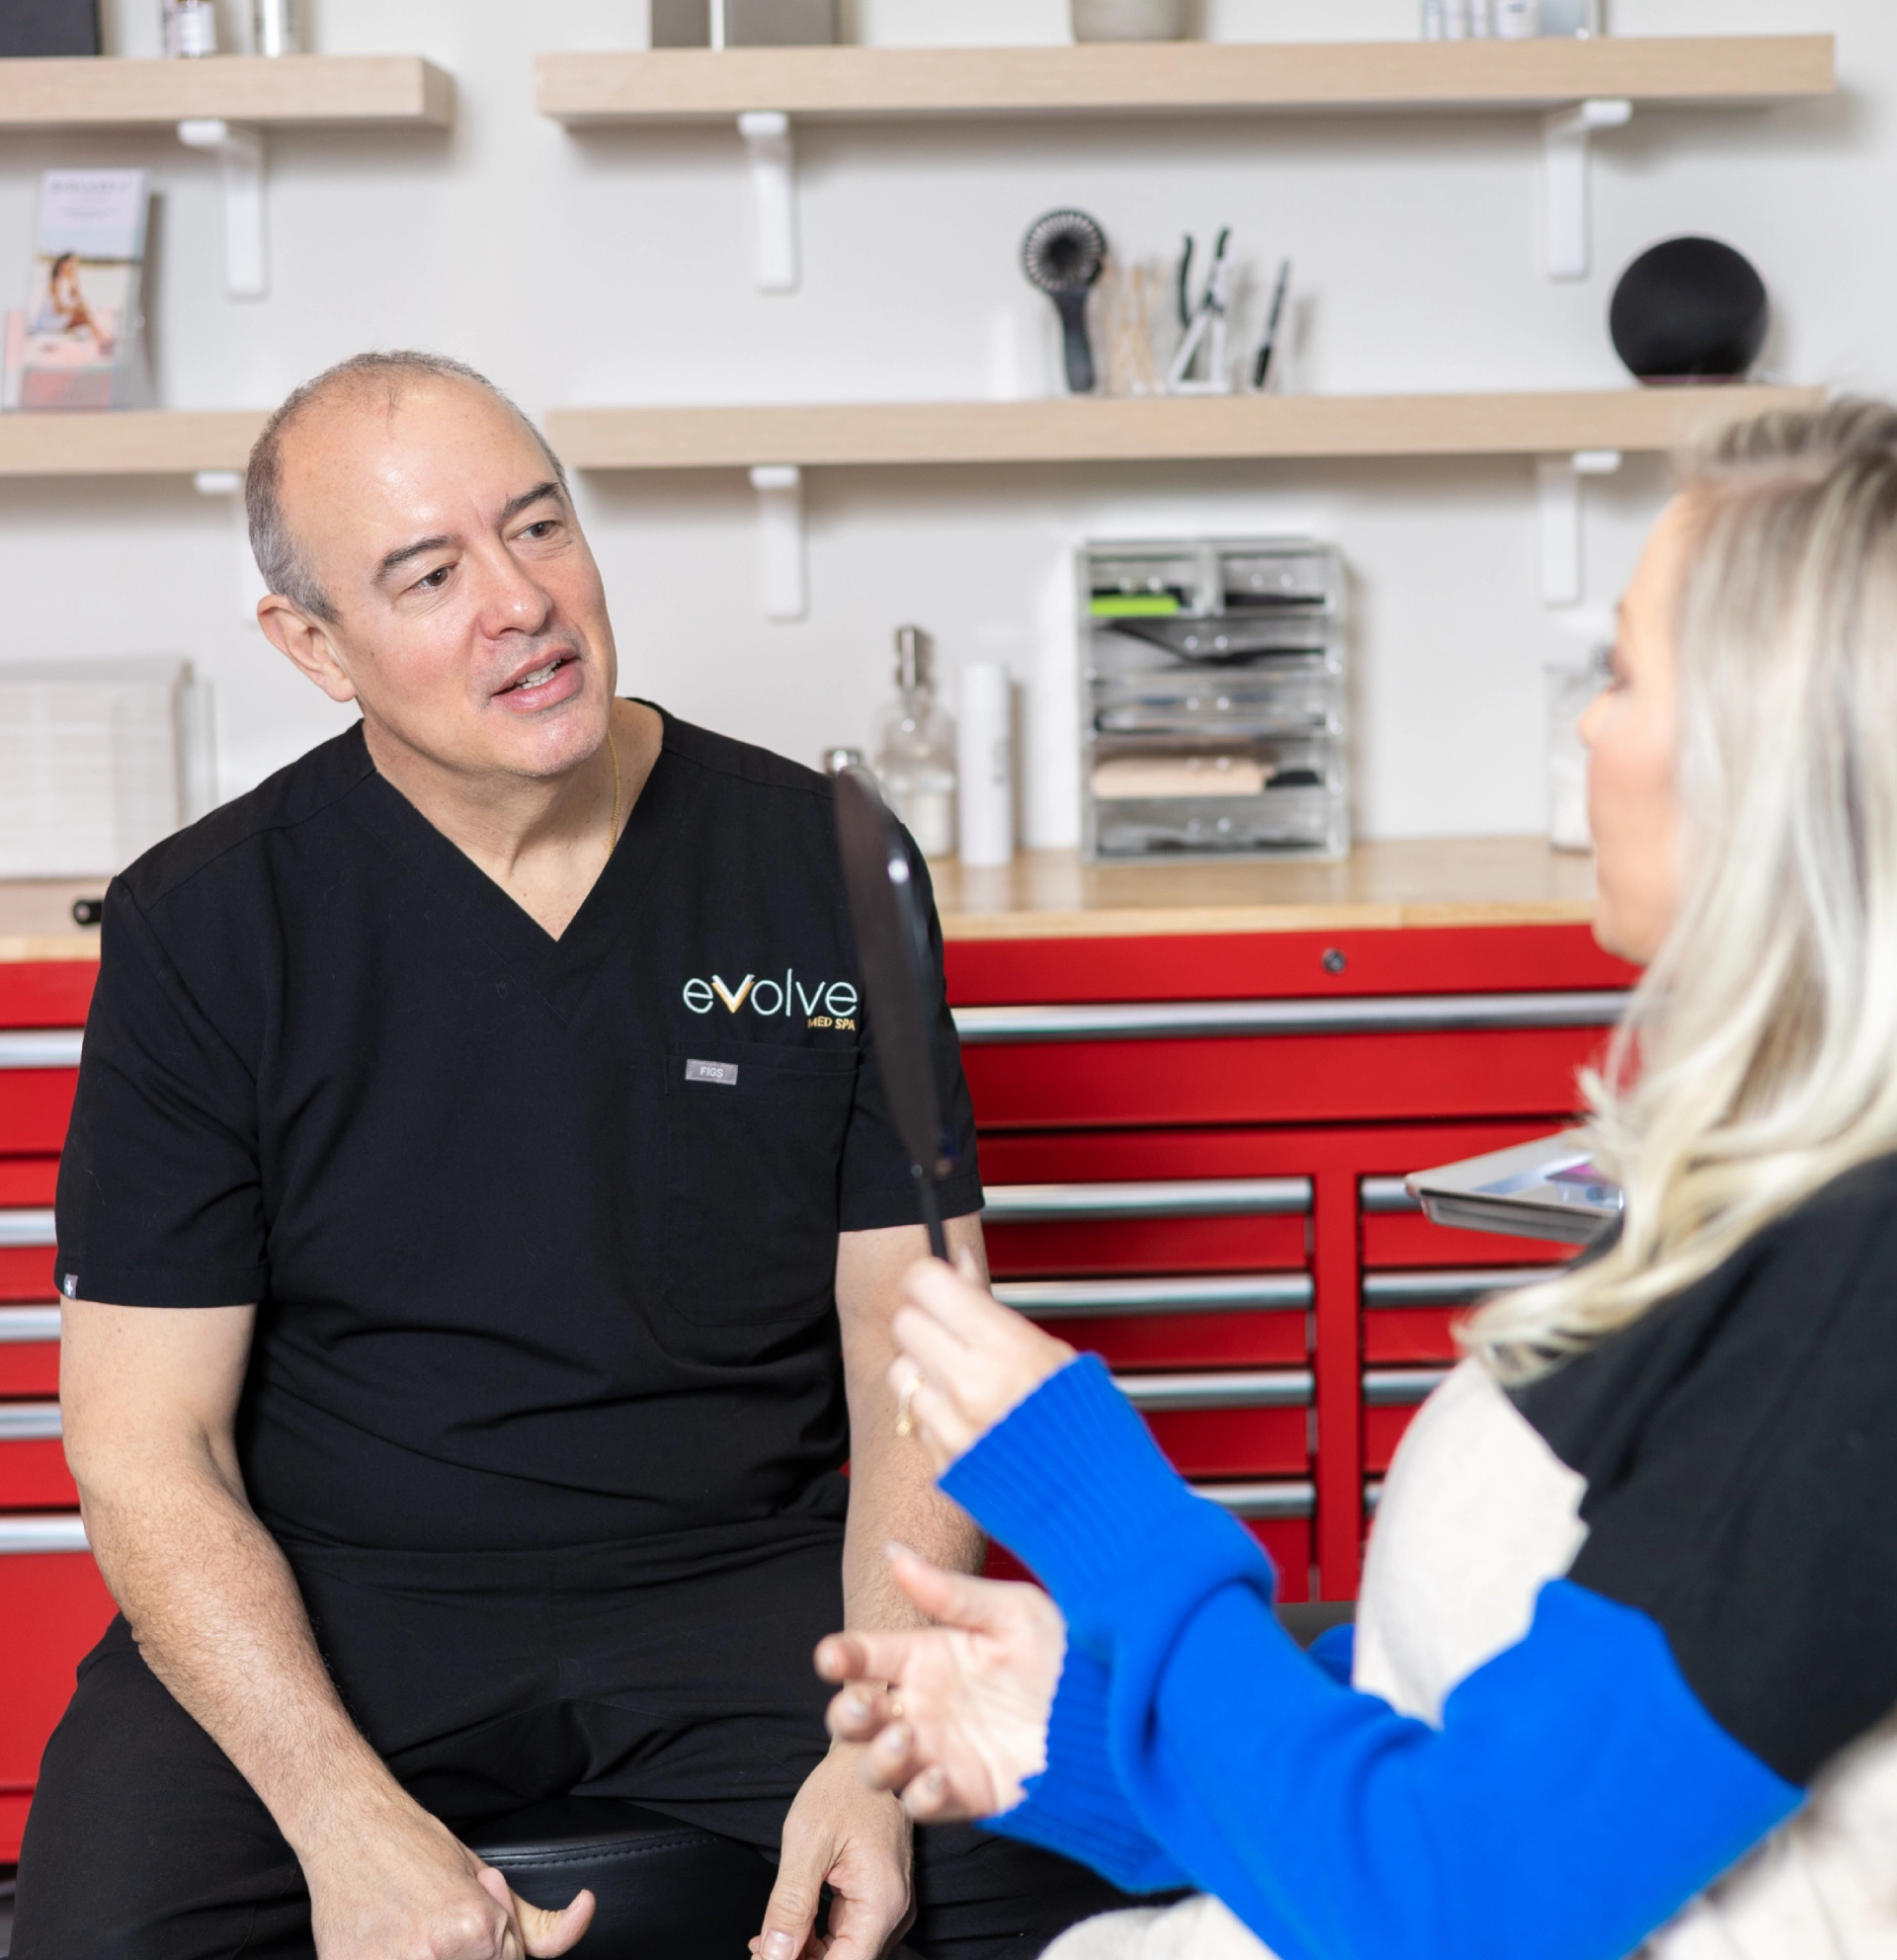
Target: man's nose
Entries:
(510, 599)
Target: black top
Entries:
(543, 1233)
(1740, 1450)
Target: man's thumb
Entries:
(790, 1917)
(544, 1934)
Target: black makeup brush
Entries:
(1062, 254)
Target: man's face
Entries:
(470, 621)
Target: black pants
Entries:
(679, 1681)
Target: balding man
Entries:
(480, 1231)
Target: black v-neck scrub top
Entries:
(543, 1233)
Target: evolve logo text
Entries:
(827, 1003)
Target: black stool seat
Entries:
(666, 1890)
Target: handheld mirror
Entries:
(892, 957)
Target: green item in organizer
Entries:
(1133, 606)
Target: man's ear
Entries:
(305, 643)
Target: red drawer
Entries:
(1230, 1423)
(28, 1182)
(1143, 1245)
(1391, 1398)
(33, 1461)
(29, 1350)
(1241, 966)
(1410, 1314)
(1175, 1321)
(1410, 1333)
(54, 1608)
(1409, 1239)
(1233, 1443)
(1281, 1077)
(26, 1273)
(26, 1253)
(52, 993)
(1180, 1340)
(35, 1105)
(1382, 1432)
(1286, 1538)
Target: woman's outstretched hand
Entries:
(962, 1358)
(956, 1714)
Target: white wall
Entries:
(613, 266)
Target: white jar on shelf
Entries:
(189, 27)
(1518, 20)
(1129, 20)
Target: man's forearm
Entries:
(218, 1618)
(893, 1492)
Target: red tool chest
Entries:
(53, 1605)
(1194, 1147)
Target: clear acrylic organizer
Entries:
(1213, 700)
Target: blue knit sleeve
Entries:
(1076, 1805)
(1576, 1796)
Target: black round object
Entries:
(1690, 309)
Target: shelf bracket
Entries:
(230, 483)
(1558, 482)
(774, 196)
(239, 151)
(786, 592)
(1566, 137)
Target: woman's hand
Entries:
(962, 1359)
(956, 1714)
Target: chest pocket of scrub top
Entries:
(753, 1179)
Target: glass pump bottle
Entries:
(915, 754)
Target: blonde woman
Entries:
(1626, 1656)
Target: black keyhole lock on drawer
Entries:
(1333, 960)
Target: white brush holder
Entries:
(1131, 20)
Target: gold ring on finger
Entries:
(905, 1406)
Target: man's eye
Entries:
(544, 530)
(434, 580)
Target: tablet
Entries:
(1549, 1188)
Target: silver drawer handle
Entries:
(1384, 1194)
(1401, 1388)
(41, 1048)
(29, 1422)
(1231, 1293)
(1158, 1020)
(1183, 1197)
(27, 1228)
(19, 1324)
(1255, 1388)
(1448, 1289)
(1285, 1500)
(43, 1532)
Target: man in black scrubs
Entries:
(479, 1230)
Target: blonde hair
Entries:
(1758, 1057)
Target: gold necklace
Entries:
(612, 749)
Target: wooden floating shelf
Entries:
(1231, 428)
(132, 442)
(308, 89)
(683, 85)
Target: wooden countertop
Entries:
(1382, 885)
(36, 919)
(1053, 895)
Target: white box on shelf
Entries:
(99, 759)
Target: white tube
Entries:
(986, 790)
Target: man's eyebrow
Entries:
(409, 551)
(527, 498)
